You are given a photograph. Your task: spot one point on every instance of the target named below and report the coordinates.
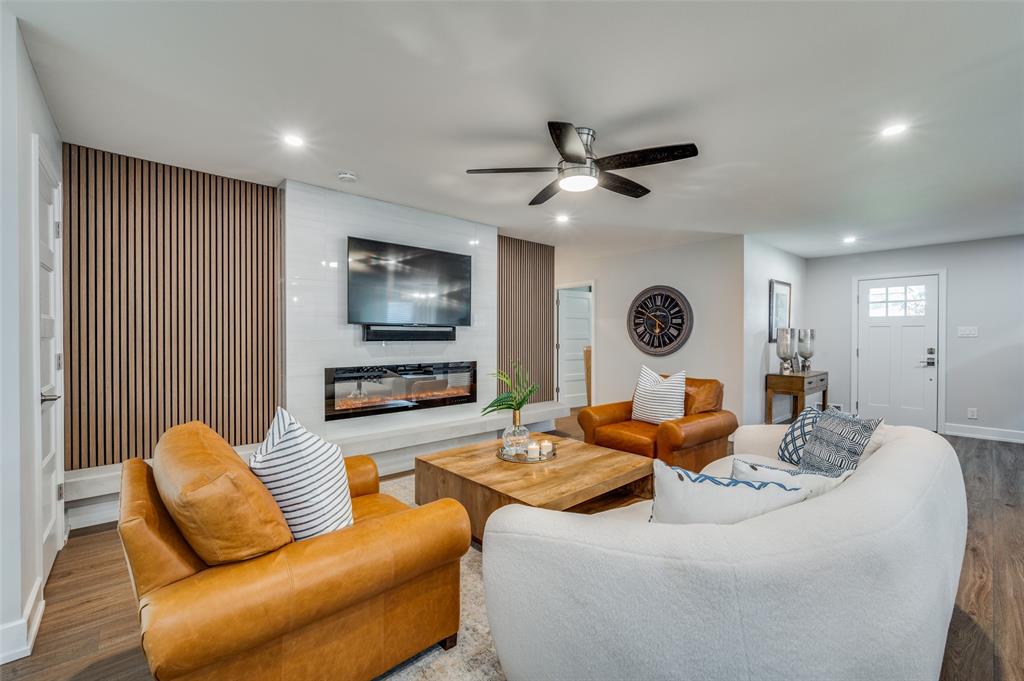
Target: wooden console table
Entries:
(799, 385)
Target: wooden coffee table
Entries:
(582, 478)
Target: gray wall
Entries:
(762, 263)
(985, 288)
(708, 273)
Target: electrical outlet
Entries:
(972, 412)
(967, 331)
(835, 405)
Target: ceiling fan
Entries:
(580, 170)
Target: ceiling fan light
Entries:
(577, 183)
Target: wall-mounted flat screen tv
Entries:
(407, 286)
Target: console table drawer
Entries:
(813, 384)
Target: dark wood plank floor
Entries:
(90, 628)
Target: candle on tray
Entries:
(532, 450)
(546, 447)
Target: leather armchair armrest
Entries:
(231, 608)
(362, 475)
(695, 429)
(592, 418)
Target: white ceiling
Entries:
(784, 100)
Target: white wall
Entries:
(708, 273)
(317, 224)
(23, 111)
(985, 288)
(761, 263)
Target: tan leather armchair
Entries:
(346, 605)
(691, 442)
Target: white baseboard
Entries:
(983, 433)
(91, 511)
(18, 637)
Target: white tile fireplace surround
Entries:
(317, 224)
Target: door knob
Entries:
(44, 398)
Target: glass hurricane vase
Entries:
(515, 436)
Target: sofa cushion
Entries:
(222, 509)
(306, 475)
(628, 436)
(681, 496)
(837, 441)
(658, 399)
(815, 482)
(703, 394)
(722, 468)
(792, 446)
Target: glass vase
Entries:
(515, 436)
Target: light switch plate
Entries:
(967, 331)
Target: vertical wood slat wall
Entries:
(171, 305)
(526, 311)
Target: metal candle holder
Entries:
(805, 347)
(785, 348)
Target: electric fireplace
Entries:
(368, 390)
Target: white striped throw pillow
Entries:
(306, 476)
(658, 399)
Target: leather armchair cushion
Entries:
(222, 509)
(637, 437)
(157, 553)
(370, 506)
(231, 609)
(702, 394)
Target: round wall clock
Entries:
(659, 320)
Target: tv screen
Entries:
(405, 285)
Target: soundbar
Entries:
(376, 332)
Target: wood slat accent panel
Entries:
(526, 311)
(171, 305)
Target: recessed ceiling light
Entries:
(562, 217)
(894, 129)
(849, 239)
(293, 140)
(347, 176)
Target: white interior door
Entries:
(47, 284)
(897, 350)
(574, 310)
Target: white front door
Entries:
(897, 350)
(574, 312)
(48, 301)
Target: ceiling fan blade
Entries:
(621, 185)
(482, 171)
(545, 194)
(647, 157)
(568, 141)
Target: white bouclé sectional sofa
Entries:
(856, 584)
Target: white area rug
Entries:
(474, 657)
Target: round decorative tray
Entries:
(522, 458)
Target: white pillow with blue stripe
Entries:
(306, 476)
(682, 496)
(815, 482)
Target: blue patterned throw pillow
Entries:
(792, 445)
(837, 442)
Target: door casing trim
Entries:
(940, 417)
